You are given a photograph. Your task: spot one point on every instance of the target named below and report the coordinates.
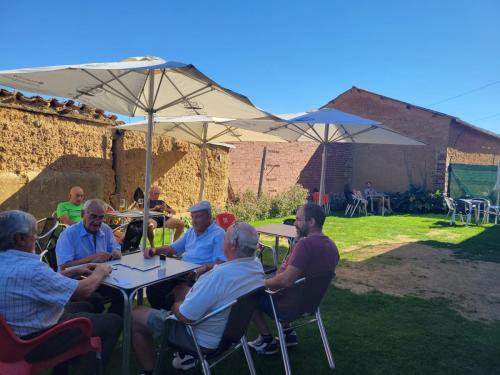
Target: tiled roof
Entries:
(68, 108)
(408, 105)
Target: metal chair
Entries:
(301, 300)
(455, 209)
(268, 268)
(15, 352)
(491, 210)
(46, 240)
(233, 338)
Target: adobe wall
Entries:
(393, 168)
(175, 169)
(43, 153)
(288, 164)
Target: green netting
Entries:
(472, 181)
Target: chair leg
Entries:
(324, 338)
(204, 363)
(284, 351)
(248, 355)
(281, 335)
(347, 209)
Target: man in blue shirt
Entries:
(202, 244)
(91, 241)
(34, 297)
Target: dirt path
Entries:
(414, 269)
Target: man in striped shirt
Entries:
(33, 297)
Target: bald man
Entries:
(70, 212)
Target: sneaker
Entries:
(263, 347)
(290, 338)
(183, 362)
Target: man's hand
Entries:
(101, 256)
(102, 270)
(86, 269)
(116, 254)
(149, 252)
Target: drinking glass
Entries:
(123, 204)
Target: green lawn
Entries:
(379, 334)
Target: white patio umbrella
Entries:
(137, 86)
(204, 130)
(330, 125)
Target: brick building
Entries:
(391, 168)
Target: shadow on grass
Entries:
(484, 246)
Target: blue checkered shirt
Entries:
(76, 243)
(32, 295)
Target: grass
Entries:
(380, 334)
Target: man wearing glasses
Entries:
(241, 274)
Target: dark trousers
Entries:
(160, 295)
(107, 326)
(103, 295)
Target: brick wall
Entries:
(288, 164)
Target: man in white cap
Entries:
(202, 244)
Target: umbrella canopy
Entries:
(330, 125)
(136, 86)
(203, 130)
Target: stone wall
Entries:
(46, 147)
(42, 155)
(175, 169)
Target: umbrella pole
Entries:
(203, 162)
(323, 167)
(149, 152)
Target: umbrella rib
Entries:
(311, 126)
(184, 98)
(224, 132)
(330, 139)
(351, 136)
(112, 92)
(183, 127)
(125, 87)
(159, 85)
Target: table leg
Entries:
(383, 206)
(127, 327)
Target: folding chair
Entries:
(233, 338)
(46, 241)
(268, 268)
(133, 235)
(15, 352)
(491, 210)
(307, 294)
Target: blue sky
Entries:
(287, 56)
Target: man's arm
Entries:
(63, 215)
(284, 279)
(177, 313)
(87, 286)
(96, 258)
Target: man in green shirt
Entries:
(70, 212)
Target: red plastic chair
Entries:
(225, 220)
(13, 350)
(316, 197)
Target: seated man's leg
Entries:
(176, 224)
(145, 321)
(152, 225)
(105, 292)
(108, 327)
(265, 342)
(157, 294)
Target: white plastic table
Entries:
(133, 272)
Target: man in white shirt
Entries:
(241, 274)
